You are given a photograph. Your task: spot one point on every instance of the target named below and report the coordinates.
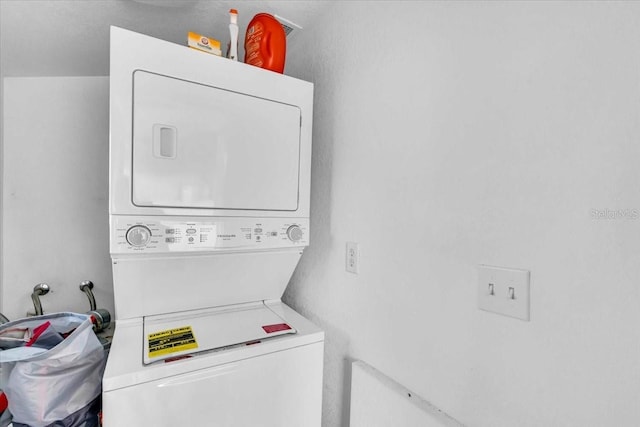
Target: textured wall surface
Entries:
(453, 134)
(55, 193)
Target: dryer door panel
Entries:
(198, 146)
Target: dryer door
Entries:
(198, 146)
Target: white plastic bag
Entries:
(47, 386)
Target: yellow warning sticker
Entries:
(171, 341)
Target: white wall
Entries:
(55, 190)
(452, 134)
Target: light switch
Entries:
(504, 291)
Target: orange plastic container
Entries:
(265, 44)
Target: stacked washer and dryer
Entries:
(209, 215)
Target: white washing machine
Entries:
(209, 215)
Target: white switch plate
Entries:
(352, 258)
(504, 291)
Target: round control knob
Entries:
(294, 233)
(138, 235)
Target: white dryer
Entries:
(209, 215)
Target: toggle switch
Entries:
(504, 291)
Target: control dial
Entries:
(294, 233)
(138, 236)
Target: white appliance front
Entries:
(209, 215)
(194, 134)
(164, 264)
(208, 157)
(273, 390)
(220, 150)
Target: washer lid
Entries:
(125, 367)
(177, 334)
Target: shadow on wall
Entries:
(337, 378)
(321, 182)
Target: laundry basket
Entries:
(54, 376)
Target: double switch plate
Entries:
(504, 291)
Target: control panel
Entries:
(161, 235)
